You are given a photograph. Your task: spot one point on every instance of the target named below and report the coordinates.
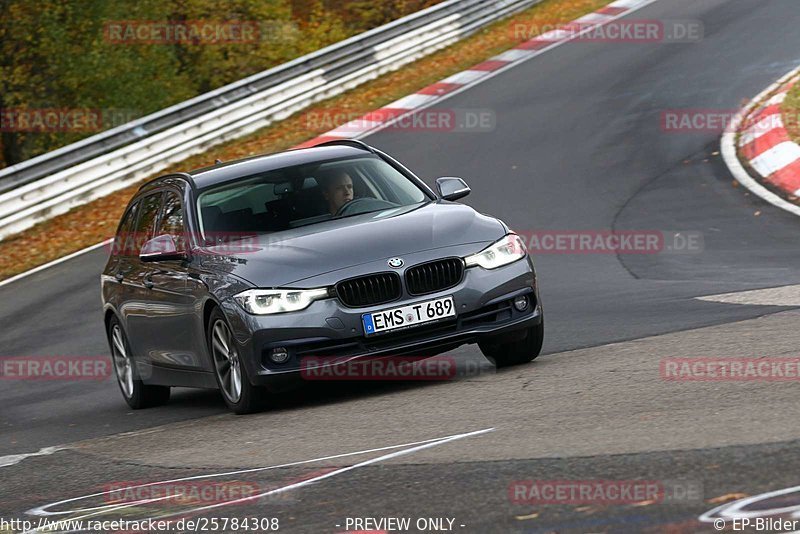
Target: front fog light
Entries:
(279, 355)
(521, 303)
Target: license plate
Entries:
(408, 316)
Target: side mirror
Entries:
(452, 188)
(161, 248)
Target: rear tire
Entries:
(136, 393)
(231, 375)
(516, 352)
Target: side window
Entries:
(171, 220)
(124, 241)
(146, 223)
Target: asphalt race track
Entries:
(578, 145)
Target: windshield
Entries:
(305, 194)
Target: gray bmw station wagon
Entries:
(232, 276)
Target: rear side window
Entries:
(171, 220)
(146, 222)
(125, 239)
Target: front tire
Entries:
(239, 394)
(136, 393)
(516, 352)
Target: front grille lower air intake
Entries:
(369, 290)
(434, 276)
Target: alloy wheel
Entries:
(226, 361)
(122, 361)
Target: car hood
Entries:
(285, 258)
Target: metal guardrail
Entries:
(55, 182)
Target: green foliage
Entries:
(369, 14)
(59, 54)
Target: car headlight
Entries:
(509, 249)
(268, 301)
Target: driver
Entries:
(337, 189)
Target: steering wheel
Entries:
(347, 207)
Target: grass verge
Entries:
(96, 221)
(791, 112)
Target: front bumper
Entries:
(327, 328)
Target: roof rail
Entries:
(347, 142)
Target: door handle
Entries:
(148, 282)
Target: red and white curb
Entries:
(765, 144)
(432, 94)
(758, 136)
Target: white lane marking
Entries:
(55, 262)
(465, 76)
(632, 4)
(353, 127)
(411, 101)
(731, 158)
(469, 81)
(776, 158)
(554, 35)
(412, 448)
(41, 511)
(773, 296)
(593, 18)
(365, 463)
(14, 459)
(512, 55)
